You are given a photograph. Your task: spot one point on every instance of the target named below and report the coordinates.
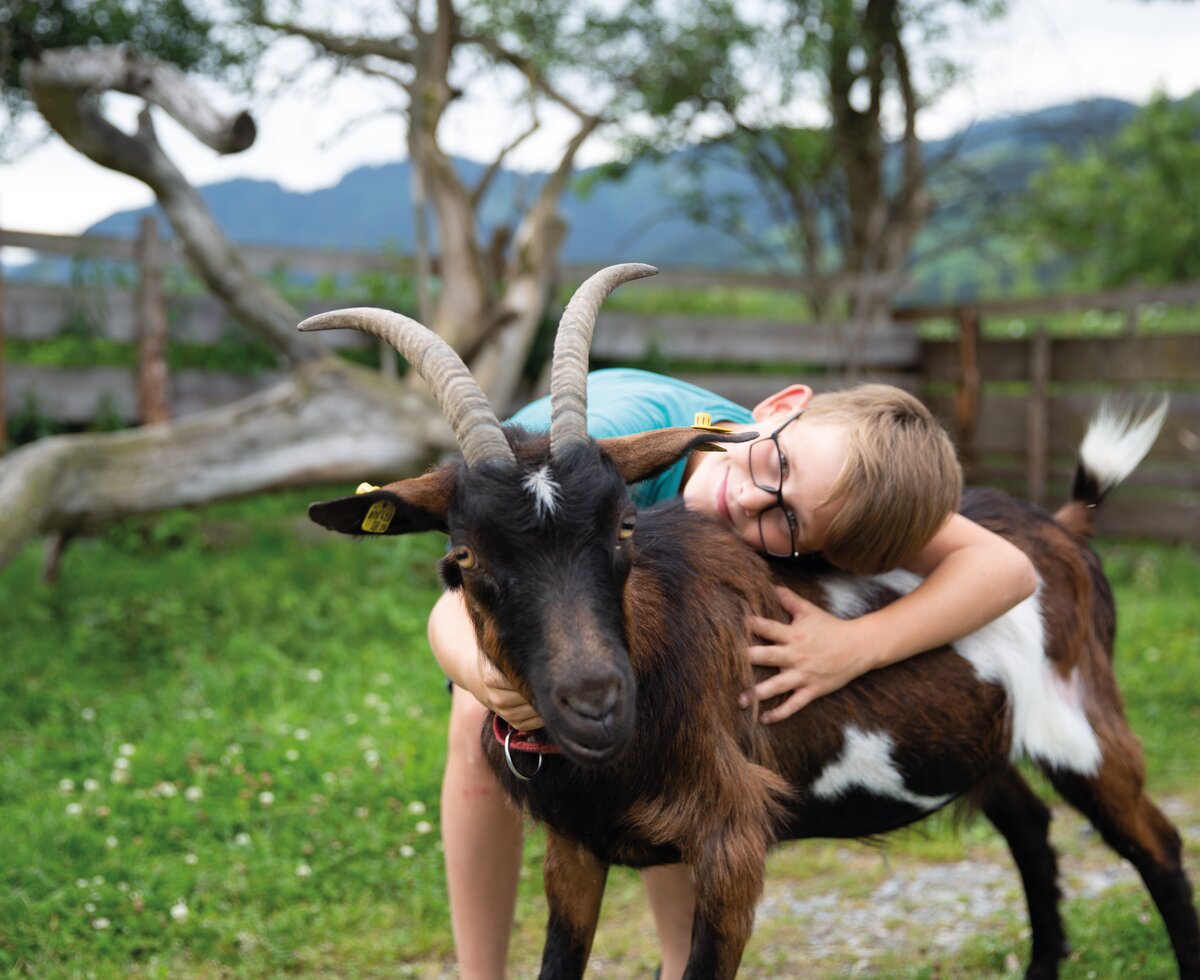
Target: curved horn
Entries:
(568, 381)
(463, 403)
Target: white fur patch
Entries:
(1117, 441)
(1048, 719)
(544, 490)
(866, 763)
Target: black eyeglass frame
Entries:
(777, 490)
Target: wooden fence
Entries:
(1016, 407)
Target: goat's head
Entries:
(542, 529)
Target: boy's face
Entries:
(720, 484)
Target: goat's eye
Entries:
(465, 557)
(626, 530)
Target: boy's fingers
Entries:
(768, 629)
(793, 604)
(766, 656)
(787, 709)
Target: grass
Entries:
(221, 739)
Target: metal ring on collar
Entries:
(512, 768)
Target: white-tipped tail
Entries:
(1118, 439)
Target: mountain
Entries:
(635, 217)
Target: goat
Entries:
(627, 631)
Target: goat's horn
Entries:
(463, 402)
(568, 380)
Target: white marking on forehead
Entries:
(544, 490)
(1049, 722)
(866, 763)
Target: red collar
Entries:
(519, 740)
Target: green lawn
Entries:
(221, 739)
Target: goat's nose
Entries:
(592, 698)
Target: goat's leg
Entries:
(1114, 800)
(574, 880)
(728, 875)
(1024, 822)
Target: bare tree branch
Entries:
(121, 70)
(398, 49)
(72, 109)
(481, 188)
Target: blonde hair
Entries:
(900, 481)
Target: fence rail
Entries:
(1016, 407)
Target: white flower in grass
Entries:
(100, 923)
(193, 793)
(329, 778)
(233, 749)
(66, 786)
(242, 839)
(127, 749)
(371, 758)
(314, 675)
(88, 714)
(121, 776)
(266, 797)
(291, 755)
(383, 680)
(303, 871)
(121, 763)
(407, 851)
(89, 907)
(190, 859)
(417, 807)
(74, 809)
(111, 842)
(361, 812)
(372, 700)
(350, 718)
(179, 911)
(122, 886)
(81, 883)
(301, 734)
(424, 827)
(90, 785)
(98, 880)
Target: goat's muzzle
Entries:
(591, 715)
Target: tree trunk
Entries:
(328, 421)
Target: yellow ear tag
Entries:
(703, 422)
(365, 488)
(379, 517)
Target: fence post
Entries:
(1037, 417)
(152, 380)
(966, 407)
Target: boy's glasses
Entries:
(768, 470)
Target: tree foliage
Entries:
(1128, 209)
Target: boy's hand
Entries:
(497, 693)
(816, 654)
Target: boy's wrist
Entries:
(874, 645)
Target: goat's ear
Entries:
(403, 507)
(642, 456)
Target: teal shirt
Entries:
(623, 401)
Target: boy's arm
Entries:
(452, 638)
(972, 576)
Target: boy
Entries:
(866, 477)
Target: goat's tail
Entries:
(1117, 440)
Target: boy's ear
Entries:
(404, 507)
(642, 456)
(786, 402)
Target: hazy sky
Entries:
(1044, 52)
